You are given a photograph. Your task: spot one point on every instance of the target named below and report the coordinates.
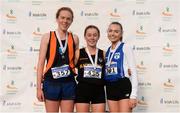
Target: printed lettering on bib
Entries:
(91, 72)
(111, 69)
(59, 72)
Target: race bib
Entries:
(91, 72)
(59, 72)
(112, 69)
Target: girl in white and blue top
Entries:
(120, 72)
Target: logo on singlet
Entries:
(100, 60)
(117, 55)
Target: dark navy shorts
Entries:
(118, 90)
(90, 93)
(59, 90)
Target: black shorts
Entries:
(118, 90)
(90, 93)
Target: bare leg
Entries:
(113, 106)
(82, 107)
(52, 106)
(67, 105)
(98, 107)
(124, 105)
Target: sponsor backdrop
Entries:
(151, 27)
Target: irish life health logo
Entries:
(167, 31)
(168, 84)
(142, 101)
(11, 52)
(11, 17)
(90, 14)
(167, 49)
(141, 14)
(142, 49)
(168, 66)
(11, 105)
(140, 32)
(12, 34)
(142, 104)
(34, 49)
(37, 15)
(169, 102)
(114, 14)
(145, 85)
(12, 69)
(37, 34)
(38, 106)
(141, 69)
(167, 14)
(11, 87)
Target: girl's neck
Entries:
(114, 44)
(62, 34)
(92, 50)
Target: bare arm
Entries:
(76, 40)
(42, 57)
(76, 56)
(104, 55)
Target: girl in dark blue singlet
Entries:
(120, 72)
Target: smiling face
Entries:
(115, 32)
(91, 36)
(64, 19)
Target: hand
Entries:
(132, 103)
(40, 95)
(129, 72)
